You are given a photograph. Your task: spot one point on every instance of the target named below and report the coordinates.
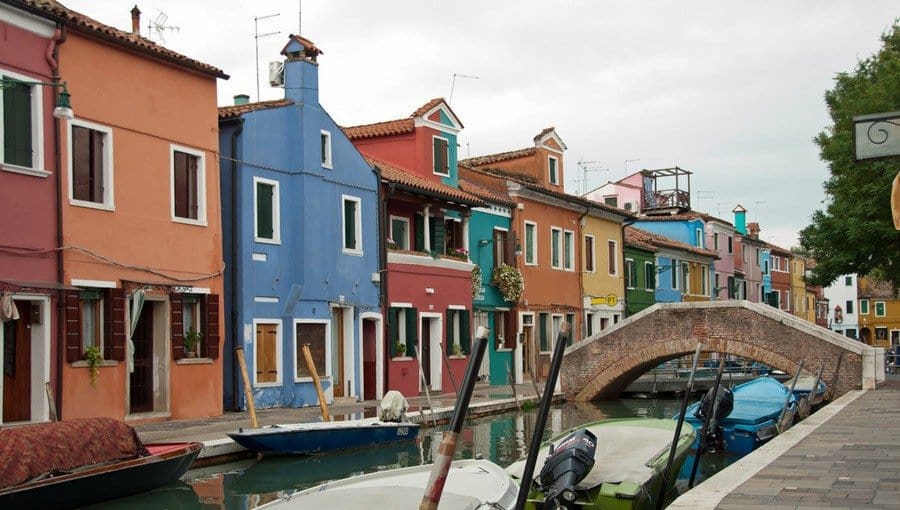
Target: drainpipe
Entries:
(52, 56)
(581, 273)
(383, 273)
(233, 267)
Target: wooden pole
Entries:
(425, 387)
(315, 375)
(248, 393)
(51, 401)
(704, 429)
(512, 384)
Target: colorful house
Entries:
(799, 297)
(780, 294)
(426, 223)
(748, 256)
(640, 272)
(300, 211)
(843, 298)
(140, 226)
(604, 288)
(29, 174)
(879, 313)
(682, 270)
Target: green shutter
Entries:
(350, 225)
(393, 329)
(465, 334)
(420, 233)
(412, 337)
(17, 125)
(440, 156)
(448, 345)
(264, 210)
(438, 235)
(542, 330)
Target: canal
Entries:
(501, 438)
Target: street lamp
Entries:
(63, 108)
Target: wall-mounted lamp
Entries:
(429, 290)
(484, 242)
(63, 108)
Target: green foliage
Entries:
(508, 281)
(191, 339)
(94, 357)
(855, 232)
(476, 280)
(399, 348)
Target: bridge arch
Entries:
(605, 364)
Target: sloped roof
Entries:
(638, 235)
(413, 182)
(422, 110)
(689, 215)
(396, 126)
(872, 288)
(485, 193)
(53, 10)
(637, 241)
(544, 132)
(310, 49)
(227, 112)
(496, 158)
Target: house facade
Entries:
(799, 296)
(843, 298)
(879, 313)
(780, 269)
(748, 256)
(604, 288)
(640, 269)
(300, 210)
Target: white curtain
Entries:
(137, 304)
(8, 310)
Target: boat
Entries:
(73, 463)
(804, 385)
(629, 460)
(323, 437)
(753, 419)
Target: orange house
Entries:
(142, 236)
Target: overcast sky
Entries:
(732, 91)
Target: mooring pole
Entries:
(684, 402)
(705, 428)
(787, 401)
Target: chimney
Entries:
(753, 228)
(301, 70)
(241, 99)
(740, 219)
(136, 21)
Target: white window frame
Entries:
(883, 309)
(704, 280)
(615, 258)
(730, 245)
(434, 170)
(327, 163)
(716, 241)
(358, 233)
(558, 245)
(37, 129)
(279, 362)
(201, 185)
(593, 259)
(108, 203)
(651, 271)
(698, 236)
(328, 367)
(568, 241)
(404, 219)
(276, 211)
(553, 176)
(627, 286)
(534, 243)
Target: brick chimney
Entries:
(136, 21)
(753, 228)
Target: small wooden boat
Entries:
(80, 462)
(629, 461)
(321, 437)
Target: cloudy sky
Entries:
(732, 91)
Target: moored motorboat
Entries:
(321, 437)
(74, 463)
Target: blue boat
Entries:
(323, 437)
(753, 421)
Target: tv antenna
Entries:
(702, 194)
(587, 167)
(256, 36)
(157, 27)
(453, 83)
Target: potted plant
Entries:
(508, 281)
(476, 280)
(456, 350)
(400, 349)
(191, 339)
(94, 357)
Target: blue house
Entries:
(301, 245)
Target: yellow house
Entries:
(800, 300)
(810, 304)
(603, 268)
(879, 313)
(698, 281)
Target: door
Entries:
(141, 380)
(337, 350)
(527, 351)
(425, 346)
(265, 356)
(17, 366)
(369, 362)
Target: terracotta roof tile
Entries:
(484, 193)
(311, 50)
(496, 158)
(400, 176)
(872, 288)
(51, 9)
(543, 132)
(227, 112)
(387, 128)
(689, 215)
(637, 241)
(660, 241)
(422, 110)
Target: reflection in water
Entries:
(501, 438)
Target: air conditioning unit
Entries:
(631, 206)
(276, 74)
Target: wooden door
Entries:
(141, 380)
(368, 355)
(265, 357)
(17, 366)
(337, 348)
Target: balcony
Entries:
(419, 258)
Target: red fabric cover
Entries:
(34, 450)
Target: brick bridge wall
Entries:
(605, 364)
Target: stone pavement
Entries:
(846, 456)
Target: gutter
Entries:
(238, 122)
(52, 56)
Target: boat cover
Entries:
(36, 451)
(624, 450)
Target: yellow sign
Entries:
(609, 300)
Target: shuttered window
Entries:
(555, 247)
(266, 354)
(542, 331)
(18, 148)
(352, 227)
(314, 335)
(589, 254)
(89, 164)
(268, 214)
(95, 317)
(188, 186)
(441, 156)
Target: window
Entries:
(190, 313)
(851, 333)
(399, 233)
(757, 257)
(589, 324)
(630, 273)
(612, 248)
(879, 309)
(864, 307)
(570, 318)
(441, 156)
(90, 164)
(685, 277)
(316, 335)
(787, 300)
(268, 211)
(673, 271)
(530, 243)
(716, 286)
(504, 332)
(849, 307)
(744, 253)
(649, 276)
(325, 144)
(188, 186)
(698, 237)
(848, 281)
(589, 262)
(555, 248)
(613, 201)
(716, 241)
(91, 314)
(881, 333)
(554, 171)
(542, 332)
(22, 149)
(352, 227)
(569, 250)
(556, 323)
(458, 330)
(703, 280)
(730, 244)
(267, 353)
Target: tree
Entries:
(855, 233)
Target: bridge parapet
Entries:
(603, 365)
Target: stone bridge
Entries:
(603, 365)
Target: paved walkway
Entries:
(847, 456)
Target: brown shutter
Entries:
(81, 163)
(211, 338)
(177, 321)
(97, 167)
(118, 336)
(73, 326)
(181, 185)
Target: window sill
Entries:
(264, 240)
(104, 363)
(310, 379)
(92, 205)
(504, 349)
(194, 361)
(354, 253)
(402, 358)
(458, 356)
(189, 221)
(25, 170)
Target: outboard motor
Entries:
(724, 405)
(568, 463)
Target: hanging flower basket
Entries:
(476, 280)
(509, 281)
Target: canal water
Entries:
(501, 438)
